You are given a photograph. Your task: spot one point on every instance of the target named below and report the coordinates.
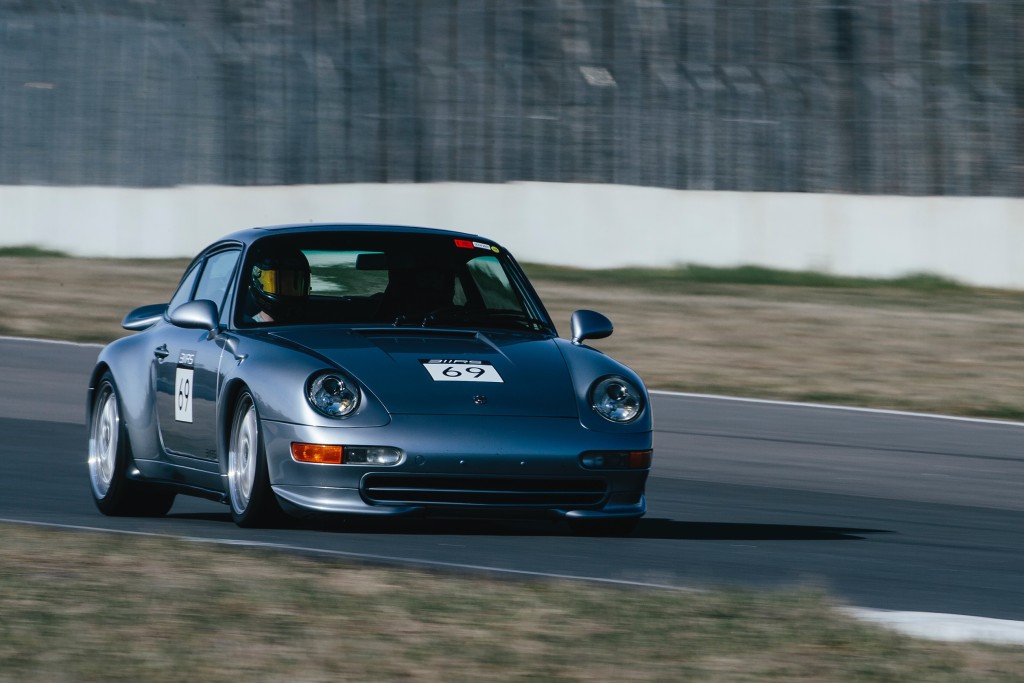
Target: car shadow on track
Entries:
(671, 529)
(647, 528)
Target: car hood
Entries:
(392, 363)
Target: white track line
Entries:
(50, 341)
(826, 406)
(928, 625)
(366, 557)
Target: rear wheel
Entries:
(253, 503)
(110, 456)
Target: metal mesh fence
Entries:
(864, 96)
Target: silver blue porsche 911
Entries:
(366, 370)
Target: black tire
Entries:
(616, 526)
(110, 456)
(253, 503)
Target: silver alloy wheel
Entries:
(103, 441)
(243, 451)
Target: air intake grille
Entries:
(496, 491)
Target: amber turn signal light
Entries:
(318, 453)
(616, 460)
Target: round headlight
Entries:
(333, 395)
(615, 399)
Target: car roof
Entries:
(250, 235)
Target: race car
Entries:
(366, 370)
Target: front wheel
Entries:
(253, 503)
(110, 455)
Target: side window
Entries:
(184, 292)
(216, 278)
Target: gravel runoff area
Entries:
(955, 352)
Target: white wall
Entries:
(974, 240)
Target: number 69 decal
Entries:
(183, 394)
(461, 370)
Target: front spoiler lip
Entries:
(310, 499)
(316, 499)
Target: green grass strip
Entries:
(28, 250)
(741, 275)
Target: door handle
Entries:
(161, 352)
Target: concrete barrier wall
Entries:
(979, 241)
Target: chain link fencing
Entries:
(912, 97)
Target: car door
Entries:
(188, 364)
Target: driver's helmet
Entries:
(280, 281)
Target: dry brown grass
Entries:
(124, 608)
(79, 299)
(954, 352)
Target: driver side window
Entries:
(184, 292)
(216, 278)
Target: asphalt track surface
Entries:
(885, 510)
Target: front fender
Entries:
(587, 365)
(277, 377)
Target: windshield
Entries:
(387, 278)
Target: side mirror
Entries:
(589, 325)
(200, 314)
(143, 317)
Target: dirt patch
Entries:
(956, 352)
(80, 299)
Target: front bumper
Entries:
(460, 465)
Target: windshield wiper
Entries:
(504, 318)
